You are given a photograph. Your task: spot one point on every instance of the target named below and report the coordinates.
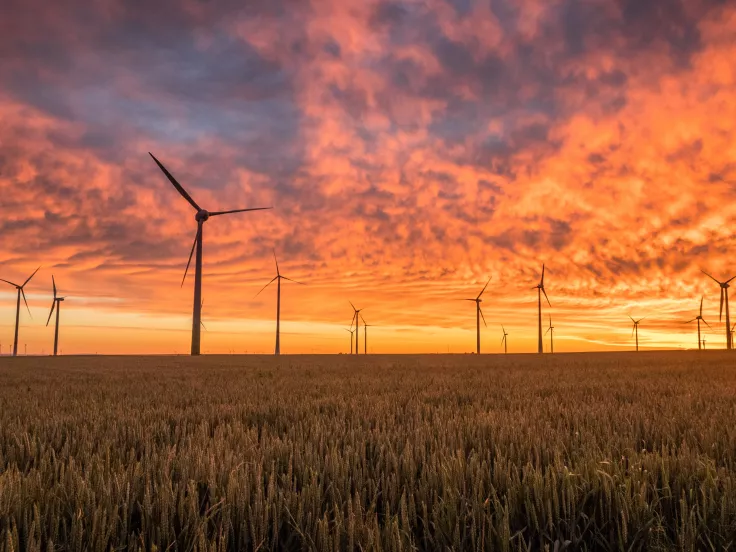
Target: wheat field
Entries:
(458, 452)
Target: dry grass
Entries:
(617, 451)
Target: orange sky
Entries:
(411, 150)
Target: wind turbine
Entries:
(357, 333)
(478, 315)
(365, 335)
(540, 290)
(732, 331)
(505, 340)
(17, 307)
(551, 332)
(351, 336)
(201, 217)
(635, 329)
(699, 318)
(724, 294)
(278, 279)
(55, 304)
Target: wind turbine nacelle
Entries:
(202, 216)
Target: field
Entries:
(600, 452)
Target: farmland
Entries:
(457, 452)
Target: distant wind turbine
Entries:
(698, 319)
(201, 217)
(351, 337)
(551, 332)
(504, 340)
(55, 304)
(724, 295)
(357, 327)
(704, 344)
(278, 279)
(365, 335)
(635, 329)
(540, 290)
(732, 331)
(21, 291)
(479, 315)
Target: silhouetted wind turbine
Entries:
(551, 332)
(357, 327)
(478, 315)
(724, 294)
(540, 290)
(704, 344)
(351, 337)
(201, 217)
(505, 340)
(635, 329)
(699, 318)
(365, 335)
(278, 279)
(17, 307)
(732, 331)
(55, 304)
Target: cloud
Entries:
(401, 144)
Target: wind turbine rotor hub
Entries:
(202, 215)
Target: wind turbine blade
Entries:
(363, 319)
(191, 254)
(547, 298)
(709, 276)
(704, 322)
(218, 213)
(689, 321)
(264, 287)
(484, 287)
(729, 280)
(548, 329)
(9, 282)
(277, 263)
(351, 304)
(720, 313)
(481, 315)
(178, 186)
(632, 330)
(634, 321)
(285, 278)
(53, 283)
(31, 276)
(701, 306)
(53, 304)
(23, 293)
(541, 283)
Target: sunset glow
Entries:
(411, 150)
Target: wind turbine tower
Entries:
(724, 297)
(201, 217)
(55, 304)
(478, 316)
(698, 319)
(278, 279)
(357, 327)
(21, 291)
(551, 332)
(540, 290)
(635, 330)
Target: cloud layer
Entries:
(411, 150)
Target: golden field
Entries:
(618, 451)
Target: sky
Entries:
(410, 150)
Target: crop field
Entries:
(616, 451)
